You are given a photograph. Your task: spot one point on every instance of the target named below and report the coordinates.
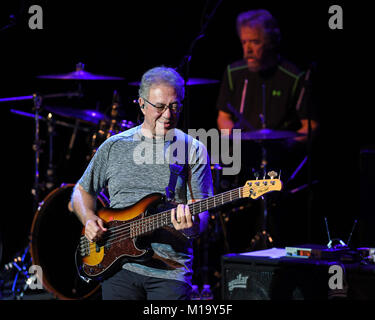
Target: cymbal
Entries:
(268, 134)
(190, 82)
(88, 115)
(79, 75)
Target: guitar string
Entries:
(195, 205)
(120, 235)
(143, 225)
(141, 228)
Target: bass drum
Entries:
(55, 234)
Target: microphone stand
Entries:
(307, 159)
(184, 66)
(306, 87)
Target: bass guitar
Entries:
(125, 227)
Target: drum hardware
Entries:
(262, 137)
(72, 140)
(55, 121)
(51, 125)
(241, 122)
(37, 99)
(37, 102)
(216, 170)
(109, 126)
(263, 166)
(16, 274)
(50, 179)
(91, 116)
(114, 114)
(45, 96)
(259, 136)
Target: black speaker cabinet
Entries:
(246, 277)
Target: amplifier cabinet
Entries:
(246, 277)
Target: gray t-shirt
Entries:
(132, 166)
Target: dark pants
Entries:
(127, 285)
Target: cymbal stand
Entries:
(37, 99)
(184, 66)
(36, 147)
(51, 168)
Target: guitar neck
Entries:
(215, 201)
(163, 219)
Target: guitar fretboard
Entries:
(163, 219)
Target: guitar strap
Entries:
(175, 171)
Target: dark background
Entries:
(126, 39)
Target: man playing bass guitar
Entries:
(154, 157)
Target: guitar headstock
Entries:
(257, 188)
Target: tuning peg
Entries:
(256, 175)
(272, 174)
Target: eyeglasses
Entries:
(175, 107)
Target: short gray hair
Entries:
(162, 75)
(263, 19)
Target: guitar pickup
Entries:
(84, 247)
